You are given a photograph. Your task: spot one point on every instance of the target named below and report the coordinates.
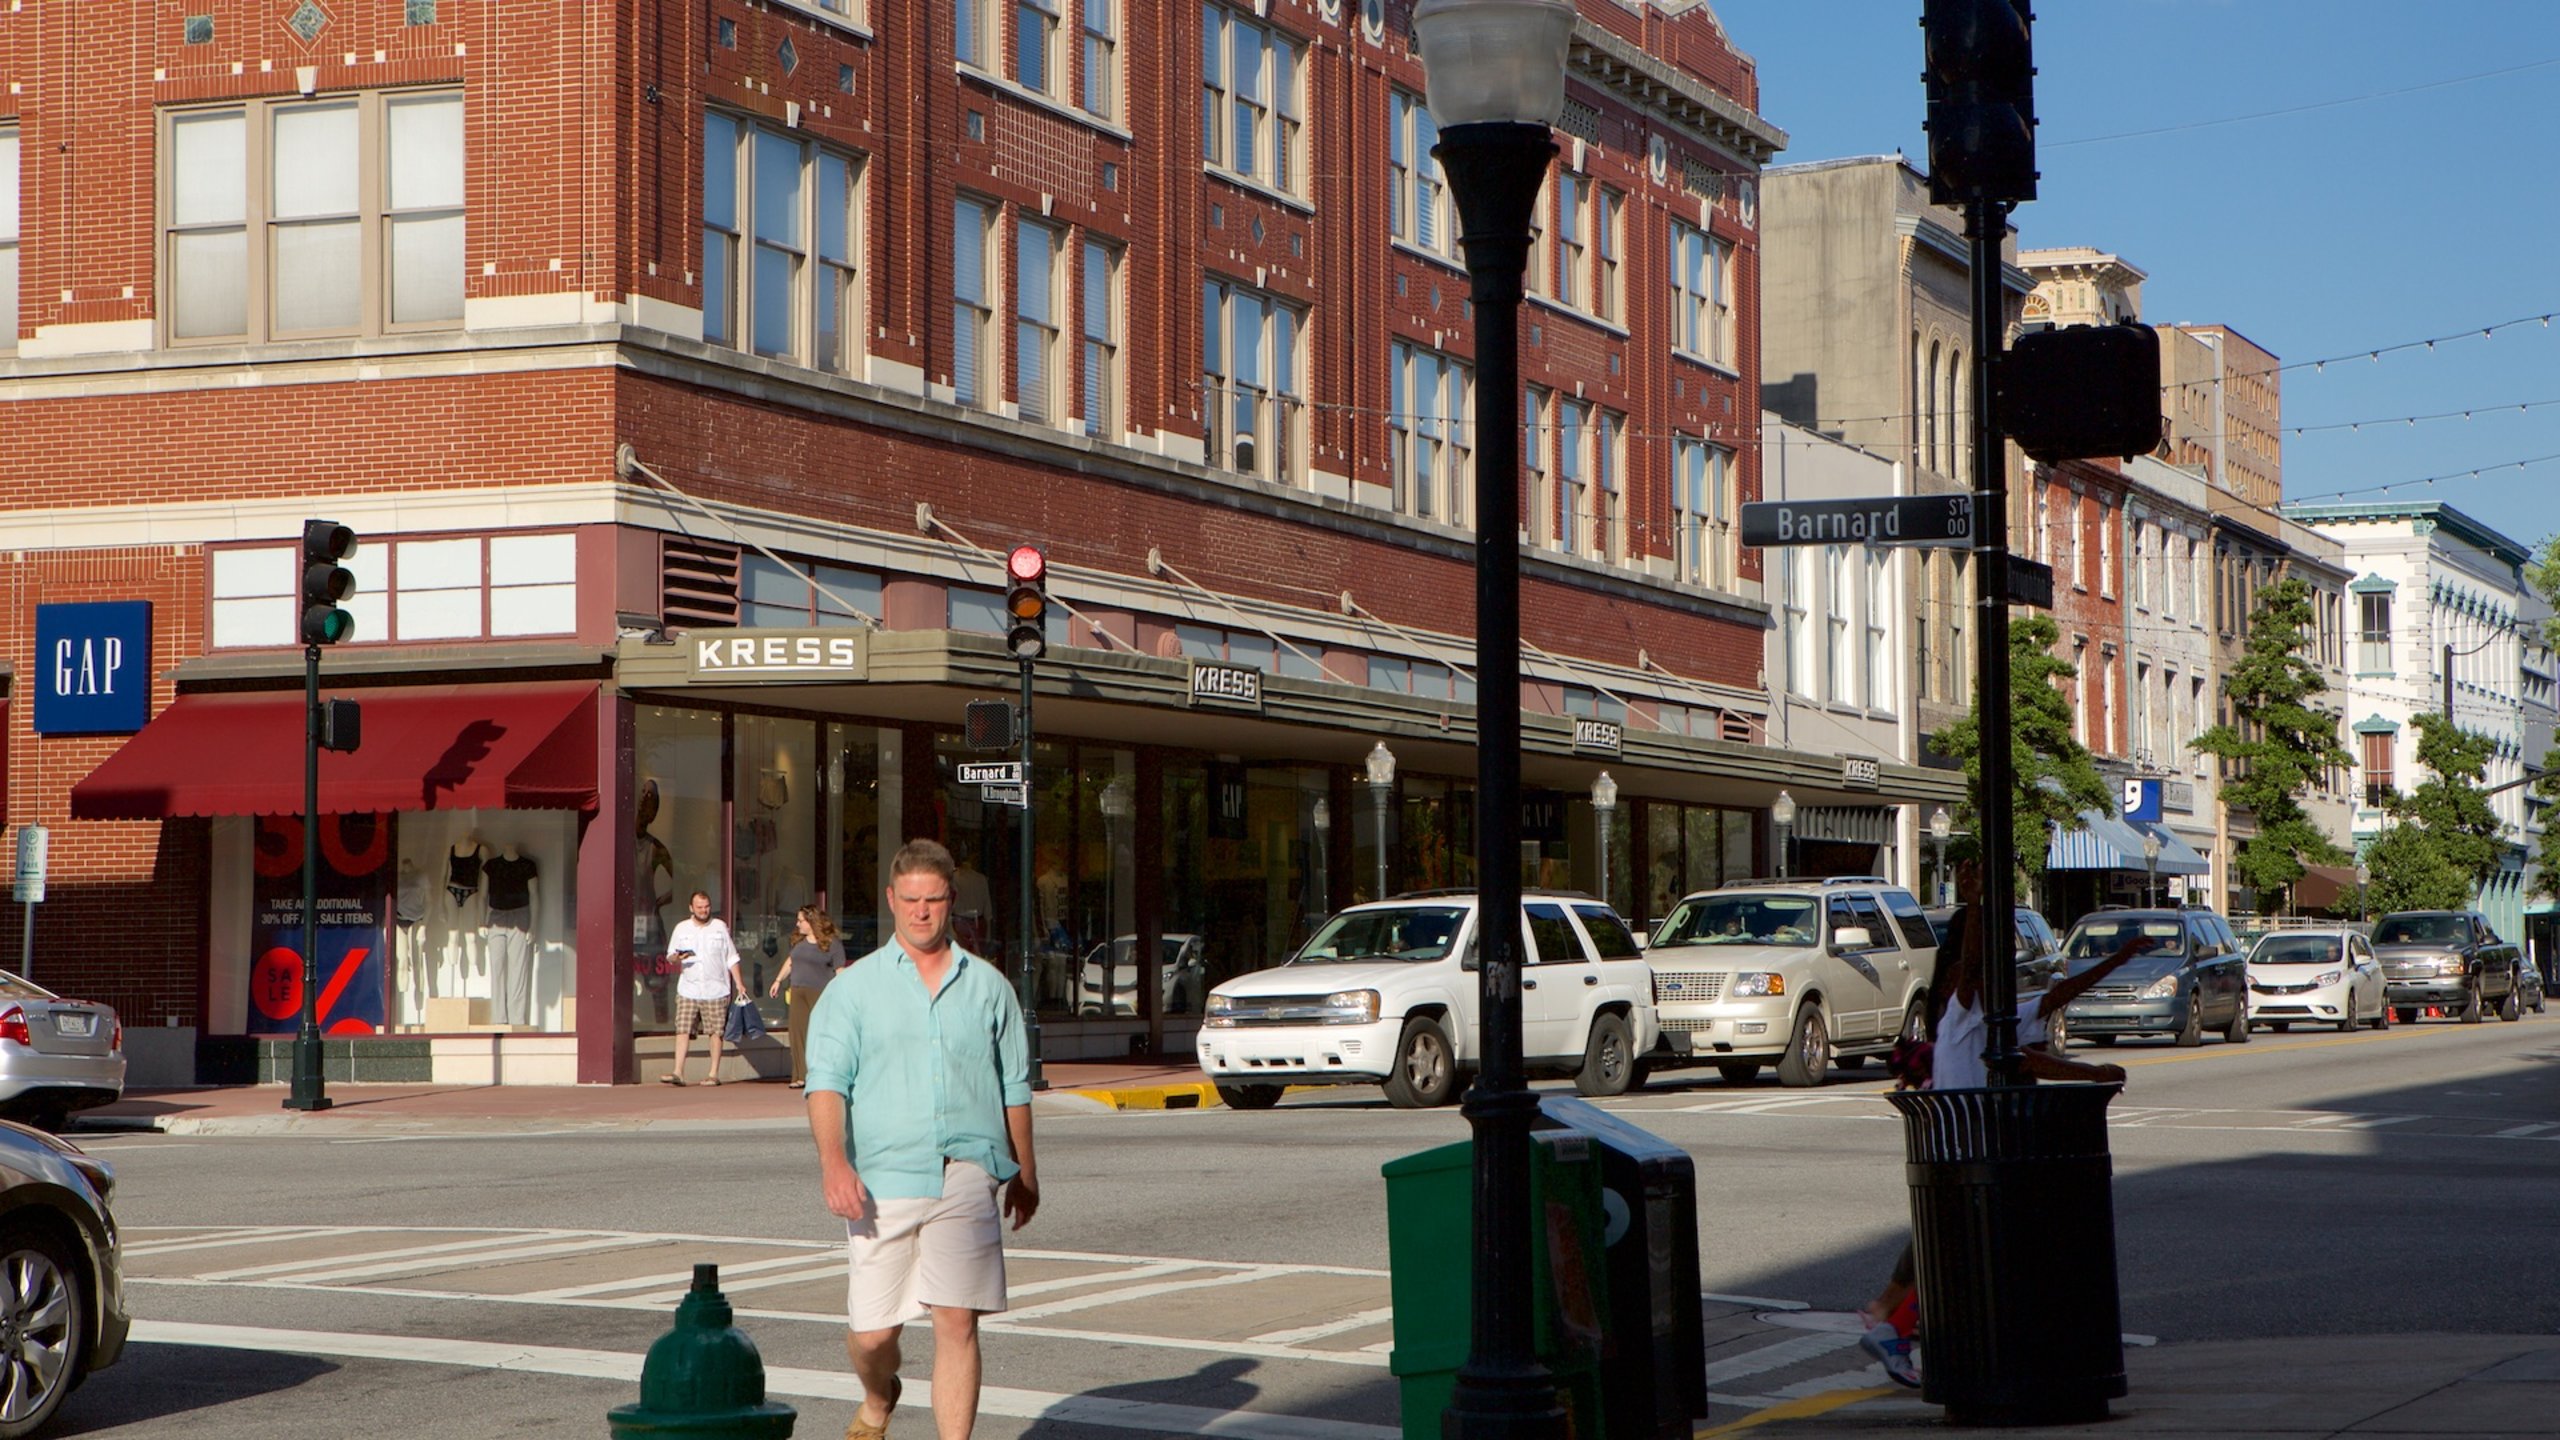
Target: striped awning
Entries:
(2106, 843)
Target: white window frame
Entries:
(1253, 81)
(1839, 607)
(2106, 547)
(2373, 632)
(377, 221)
(1039, 330)
(1037, 58)
(977, 350)
(1799, 619)
(1099, 82)
(1702, 317)
(1877, 687)
(521, 584)
(1576, 420)
(1609, 249)
(1608, 489)
(12, 187)
(819, 257)
(1537, 450)
(1419, 209)
(1100, 379)
(1432, 401)
(1573, 240)
(1274, 392)
(1540, 277)
(1702, 496)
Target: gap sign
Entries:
(1876, 520)
(93, 674)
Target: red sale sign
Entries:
(355, 853)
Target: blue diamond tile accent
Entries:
(790, 57)
(307, 21)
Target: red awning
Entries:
(438, 747)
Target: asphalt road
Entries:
(1188, 1264)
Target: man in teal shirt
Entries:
(923, 1044)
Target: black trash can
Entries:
(2013, 1224)
(1653, 1359)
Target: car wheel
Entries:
(44, 1330)
(2473, 1008)
(1425, 1073)
(2191, 1033)
(1608, 1059)
(2511, 1008)
(1915, 1020)
(1249, 1097)
(2238, 1034)
(1808, 1058)
(1739, 1072)
(2352, 1020)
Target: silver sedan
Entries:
(56, 1055)
(2326, 976)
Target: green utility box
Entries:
(1431, 1273)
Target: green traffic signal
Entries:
(326, 583)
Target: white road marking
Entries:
(246, 1235)
(1137, 1292)
(788, 1381)
(1812, 1346)
(422, 1265)
(1361, 1321)
(2521, 1130)
(446, 1249)
(665, 1280)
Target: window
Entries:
(2138, 719)
(2044, 521)
(1038, 254)
(2379, 786)
(1799, 621)
(2373, 632)
(1418, 198)
(1256, 407)
(1701, 295)
(778, 595)
(1540, 279)
(1250, 108)
(460, 588)
(780, 233)
(973, 310)
(968, 32)
(1573, 473)
(1430, 399)
(1608, 493)
(2196, 724)
(2169, 576)
(1035, 45)
(1536, 452)
(9, 237)
(296, 217)
(1573, 240)
(1100, 376)
(2137, 573)
(2106, 544)
(1102, 57)
(1840, 605)
(2078, 542)
(1702, 494)
(1608, 288)
(1877, 688)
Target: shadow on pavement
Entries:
(154, 1382)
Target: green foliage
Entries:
(2278, 743)
(2544, 575)
(2443, 839)
(2055, 779)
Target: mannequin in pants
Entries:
(510, 876)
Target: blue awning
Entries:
(2106, 843)
(2177, 857)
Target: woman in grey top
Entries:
(814, 961)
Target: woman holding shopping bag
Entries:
(815, 959)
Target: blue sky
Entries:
(2381, 174)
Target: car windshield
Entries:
(18, 987)
(2098, 939)
(2422, 930)
(1790, 920)
(2296, 950)
(1405, 933)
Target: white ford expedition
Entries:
(1386, 994)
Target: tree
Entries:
(2443, 839)
(2544, 575)
(2276, 742)
(2055, 779)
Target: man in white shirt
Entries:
(703, 990)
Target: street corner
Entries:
(1851, 1409)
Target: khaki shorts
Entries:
(701, 1017)
(910, 1254)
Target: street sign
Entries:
(2142, 800)
(998, 772)
(1017, 796)
(33, 844)
(1872, 520)
(2030, 582)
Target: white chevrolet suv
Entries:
(1386, 994)
(1791, 972)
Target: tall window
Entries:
(1102, 58)
(2106, 514)
(2379, 784)
(1418, 198)
(2373, 632)
(299, 217)
(1038, 261)
(969, 39)
(1100, 376)
(1250, 361)
(1537, 449)
(2138, 568)
(1251, 111)
(781, 257)
(9, 237)
(2138, 719)
(1799, 620)
(1573, 473)
(1877, 687)
(1540, 279)
(1430, 396)
(1608, 492)
(973, 310)
(1701, 294)
(1701, 481)
(1573, 239)
(1608, 290)
(1035, 46)
(2078, 541)
(1839, 607)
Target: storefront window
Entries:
(774, 830)
(677, 850)
(1104, 889)
(485, 920)
(862, 783)
(1436, 844)
(1239, 873)
(1689, 848)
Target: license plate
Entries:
(80, 1025)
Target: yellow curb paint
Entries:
(1153, 1097)
(1810, 1405)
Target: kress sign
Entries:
(777, 654)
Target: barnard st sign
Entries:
(93, 667)
(1877, 520)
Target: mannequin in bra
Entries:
(409, 913)
(462, 866)
(510, 874)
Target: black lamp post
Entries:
(1495, 71)
(1604, 815)
(1323, 859)
(1381, 768)
(1942, 828)
(2151, 868)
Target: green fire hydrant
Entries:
(704, 1377)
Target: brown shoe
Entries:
(671, 1078)
(861, 1429)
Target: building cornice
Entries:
(1609, 63)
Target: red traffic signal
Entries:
(1026, 602)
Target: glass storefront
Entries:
(676, 775)
(1240, 849)
(1690, 848)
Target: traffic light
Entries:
(326, 583)
(2081, 392)
(1982, 113)
(987, 725)
(1026, 602)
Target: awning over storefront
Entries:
(2323, 886)
(2106, 843)
(439, 747)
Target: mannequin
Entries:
(511, 875)
(462, 888)
(653, 885)
(409, 913)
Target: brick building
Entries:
(687, 370)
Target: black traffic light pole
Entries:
(1028, 895)
(308, 1083)
(1985, 222)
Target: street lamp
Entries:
(1494, 70)
(1381, 766)
(2151, 868)
(1115, 807)
(1604, 813)
(2364, 877)
(1782, 815)
(1942, 827)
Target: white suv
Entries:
(1792, 971)
(1386, 994)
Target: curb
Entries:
(1200, 1095)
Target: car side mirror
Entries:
(1851, 937)
(1471, 961)
(1642, 944)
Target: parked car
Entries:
(1178, 987)
(1386, 994)
(2189, 977)
(2324, 976)
(56, 1055)
(2039, 953)
(64, 1266)
(2449, 959)
(1791, 972)
(2532, 984)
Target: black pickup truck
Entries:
(2450, 959)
